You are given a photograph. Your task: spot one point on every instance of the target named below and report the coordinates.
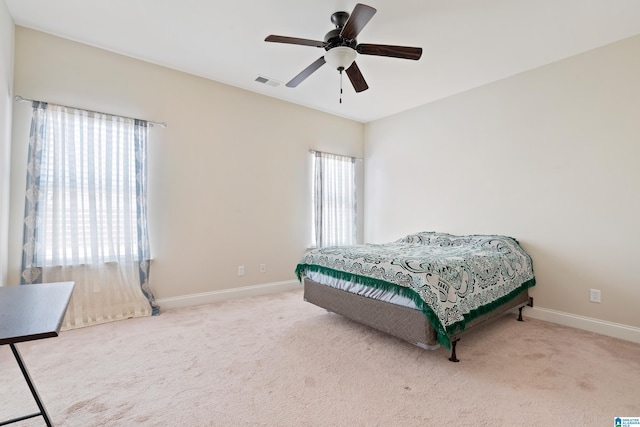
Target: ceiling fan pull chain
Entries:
(340, 70)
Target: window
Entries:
(334, 197)
(85, 212)
(90, 211)
(87, 207)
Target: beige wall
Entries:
(229, 178)
(6, 105)
(550, 157)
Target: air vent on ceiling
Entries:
(267, 81)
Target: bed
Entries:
(426, 288)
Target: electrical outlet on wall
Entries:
(241, 270)
(594, 295)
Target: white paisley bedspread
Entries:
(451, 279)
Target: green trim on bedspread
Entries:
(451, 279)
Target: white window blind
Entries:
(88, 177)
(334, 198)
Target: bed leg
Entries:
(453, 357)
(530, 304)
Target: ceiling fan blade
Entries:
(357, 80)
(404, 52)
(294, 40)
(306, 72)
(357, 20)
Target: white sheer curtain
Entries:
(85, 213)
(334, 200)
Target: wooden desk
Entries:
(32, 312)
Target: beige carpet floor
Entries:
(278, 361)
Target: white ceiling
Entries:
(466, 43)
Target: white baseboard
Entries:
(226, 294)
(616, 330)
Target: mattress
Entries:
(362, 290)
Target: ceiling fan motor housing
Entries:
(333, 39)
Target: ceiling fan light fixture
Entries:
(340, 57)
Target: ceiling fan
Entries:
(342, 47)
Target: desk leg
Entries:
(32, 387)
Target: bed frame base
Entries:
(402, 322)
